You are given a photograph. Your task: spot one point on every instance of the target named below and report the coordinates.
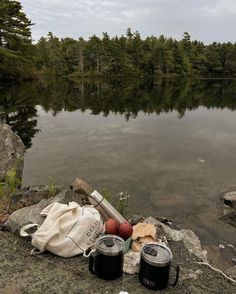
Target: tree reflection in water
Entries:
(126, 97)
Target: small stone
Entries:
(136, 219)
(164, 220)
(81, 187)
(230, 245)
(201, 160)
(231, 272)
(229, 199)
(234, 260)
(221, 246)
(199, 272)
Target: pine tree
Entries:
(15, 42)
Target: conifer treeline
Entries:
(127, 55)
(130, 55)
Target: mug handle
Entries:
(176, 267)
(88, 252)
(92, 262)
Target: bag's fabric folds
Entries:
(68, 230)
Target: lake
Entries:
(169, 143)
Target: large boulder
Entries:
(31, 214)
(12, 151)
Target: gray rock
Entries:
(12, 152)
(52, 274)
(227, 208)
(136, 219)
(187, 274)
(32, 195)
(229, 199)
(227, 214)
(164, 220)
(31, 214)
(81, 187)
(190, 240)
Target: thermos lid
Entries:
(111, 245)
(156, 254)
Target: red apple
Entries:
(125, 230)
(111, 226)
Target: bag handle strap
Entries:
(23, 232)
(35, 251)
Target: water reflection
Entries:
(18, 109)
(126, 97)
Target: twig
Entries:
(78, 271)
(217, 270)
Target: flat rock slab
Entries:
(47, 273)
(12, 151)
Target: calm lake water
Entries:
(170, 144)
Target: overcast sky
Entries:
(205, 20)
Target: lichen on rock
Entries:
(12, 151)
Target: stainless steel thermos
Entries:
(104, 207)
(106, 260)
(155, 263)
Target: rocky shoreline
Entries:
(23, 273)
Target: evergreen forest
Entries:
(128, 55)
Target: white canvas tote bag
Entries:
(68, 230)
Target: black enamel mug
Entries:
(155, 264)
(106, 261)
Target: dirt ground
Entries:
(22, 273)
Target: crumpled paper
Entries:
(142, 234)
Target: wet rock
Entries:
(81, 187)
(12, 152)
(32, 195)
(31, 214)
(164, 220)
(190, 240)
(229, 199)
(227, 208)
(136, 219)
(228, 215)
